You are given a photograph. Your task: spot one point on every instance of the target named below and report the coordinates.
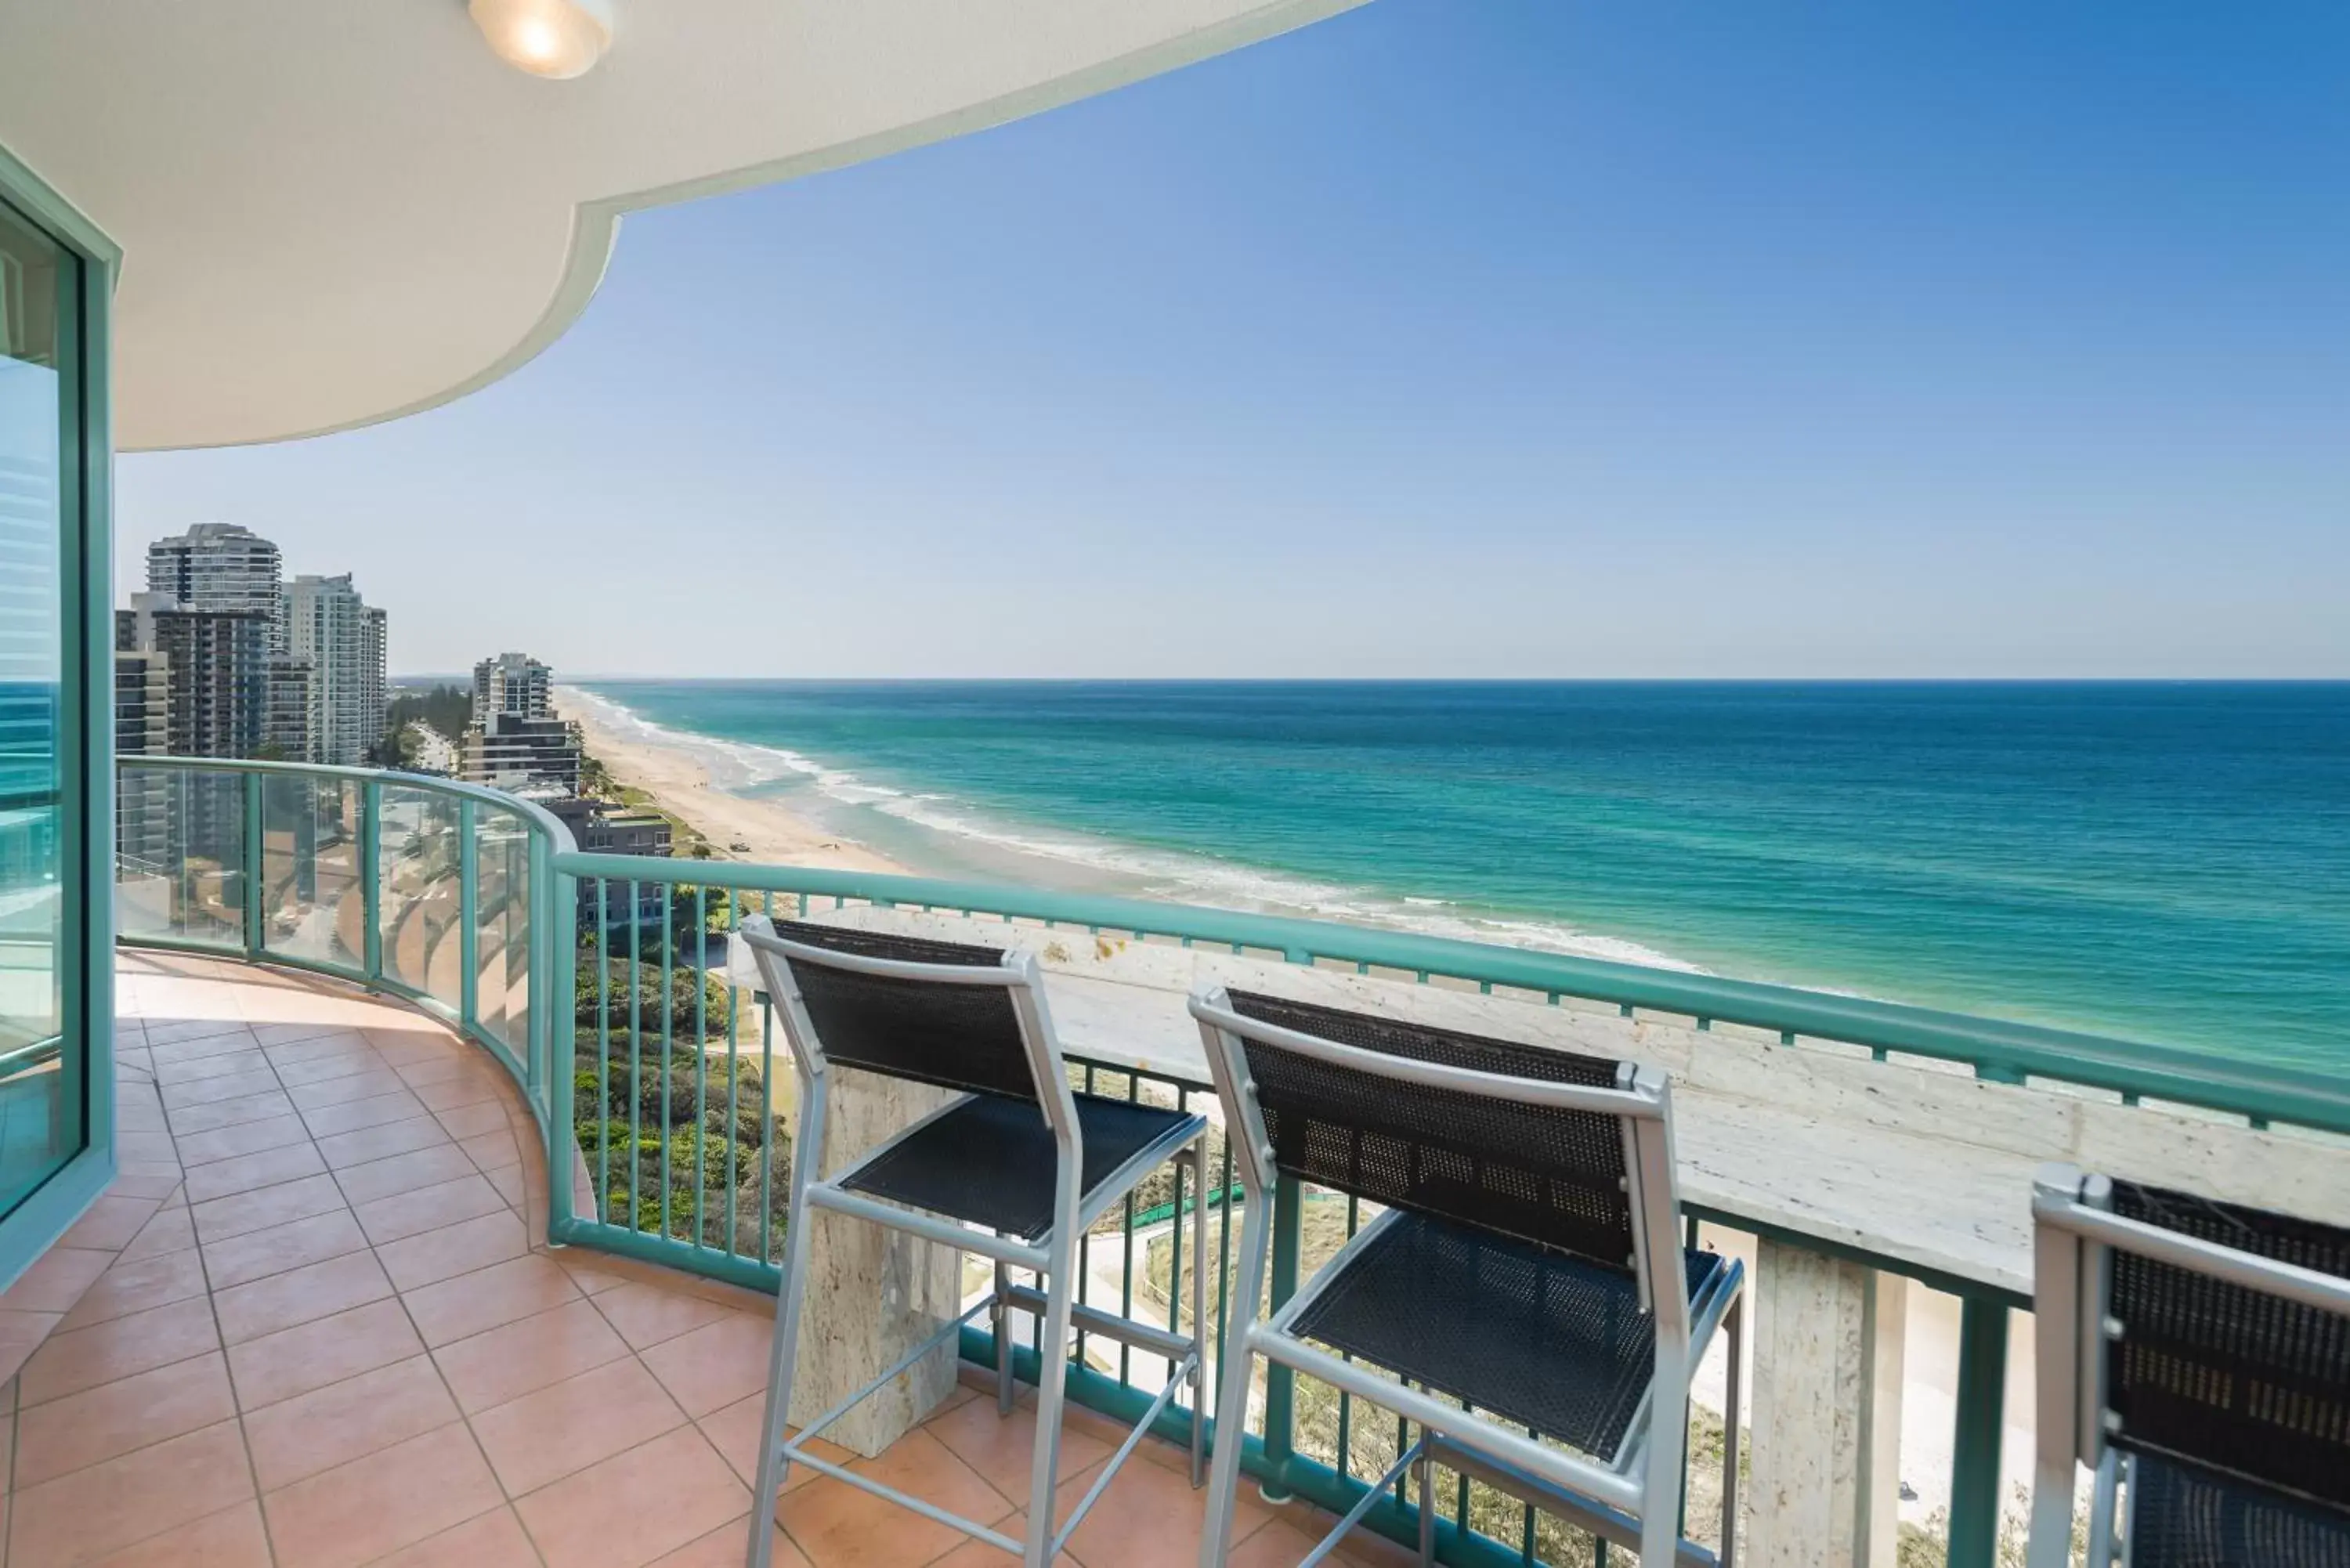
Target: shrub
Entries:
(648, 1132)
(633, 994)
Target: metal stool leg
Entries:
(1198, 1306)
(1426, 1468)
(773, 1467)
(1232, 1402)
(1052, 1382)
(1733, 1325)
(1003, 1319)
(1667, 1443)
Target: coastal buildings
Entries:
(514, 741)
(328, 625)
(512, 683)
(143, 806)
(285, 726)
(509, 751)
(604, 827)
(216, 665)
(318, 694)
(374, 680)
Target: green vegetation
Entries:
(668, 1135)
(595, 780)
(712, 915)
(1927, 1545)
(638, 996)
(448, 709)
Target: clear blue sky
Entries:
(1450, 338)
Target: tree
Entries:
(446, 708)
(712, 915)
(678, 1140)
(634, 992)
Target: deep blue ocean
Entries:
(2168, 862)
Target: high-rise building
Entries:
(328, 624)
(516, 741)
(142, 799)
(286, 709)
(219, 567)
(375, 688)
(216, 667)
(217, 664)
(510, 751)
(512, 683)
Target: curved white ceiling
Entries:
(334, 211)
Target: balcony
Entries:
(319, 1323)
(336, 1036)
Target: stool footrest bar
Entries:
(1587, 1514)
(1371, 1495)
(1109, 1325)
(1133, 1440)
(792, 1447)
(903, 1500)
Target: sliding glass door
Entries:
(40, 1108)
(55, 1014)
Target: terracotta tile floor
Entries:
(312, 1329)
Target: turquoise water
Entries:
(2168, 862)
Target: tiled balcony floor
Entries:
(310, 1328)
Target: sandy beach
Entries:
(766, 829)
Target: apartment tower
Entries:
(512, 683)
(219, 567)
(328, 625)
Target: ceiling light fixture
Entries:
(555, 38)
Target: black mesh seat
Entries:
(991, 1161)
(1545, 1339)
(2185, 1516)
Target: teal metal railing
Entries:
(598, 981)
(439, 892)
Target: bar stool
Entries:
(1529, 1263)
(2196, 1357)
(1016, 1171)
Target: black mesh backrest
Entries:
(1554, 1178)
(955, 1036)
(2232, 1378)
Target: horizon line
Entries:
(602, 678)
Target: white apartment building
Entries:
(219, 567)
(328, 624)
(375, 688)
(512, 683)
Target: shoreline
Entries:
(676, 769)
(681, 786)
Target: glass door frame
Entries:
(86, 732)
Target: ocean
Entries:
(2163, 861)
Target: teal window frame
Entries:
(85, 739)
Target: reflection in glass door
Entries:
(42, 1068)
